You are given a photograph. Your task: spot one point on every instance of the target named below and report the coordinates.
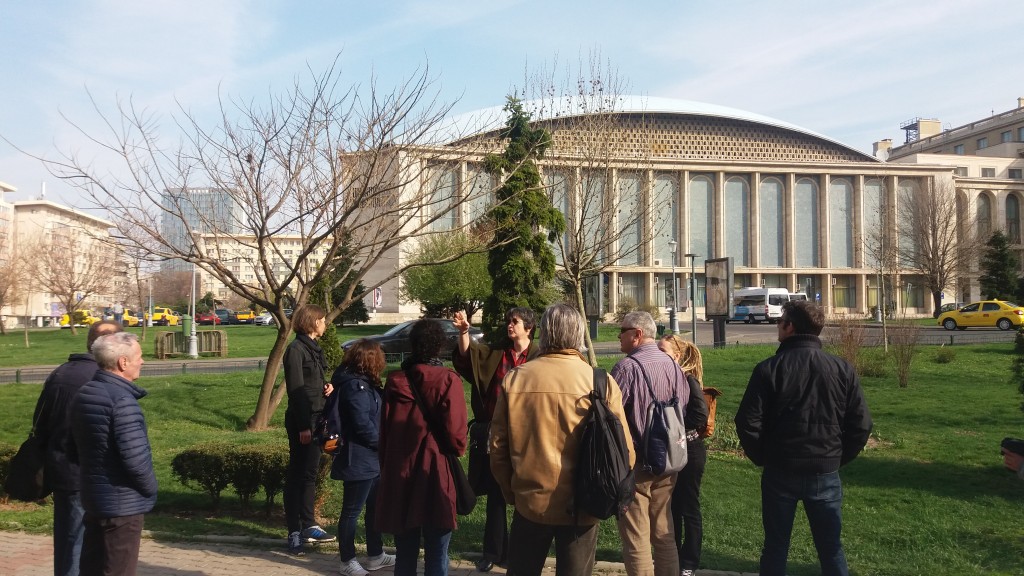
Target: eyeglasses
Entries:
(624, 330)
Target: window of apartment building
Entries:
(982, 143)
(1006, 136)
(1020, 134)
(961, 171)
(958, 149)
(1014, 173)
(988, 172)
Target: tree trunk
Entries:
(269, 398)
(936, 302)
(587, 340)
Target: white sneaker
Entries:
(687, 573)
(352, 568)
(380, 561)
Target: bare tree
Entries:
(881, 252)
(937, 229)
(72, 265)
(12, 275)
(318, 172)
(597, 172)
(171, 287)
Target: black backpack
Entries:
(603, 482)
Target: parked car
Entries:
(950, 307)
(165, 317)
(265, 319)
(207, 319)
(129, 318)
(287, 313)
(82, 318)
(396, 340)
(999, 313)
(245, 316)
(226, 315)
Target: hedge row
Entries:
(212, 467)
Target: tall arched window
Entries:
(772, 240)
(665, 200)
(1013, 218)
(700, 218)
(630, 218)
(874, 221)
(558, 190)
(984, 216)
(840, 223)
(805, 222)
(737, 220)
(907, 196)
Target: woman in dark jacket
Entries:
(416, 496)
(304, 369)
(686, 516)
(357, 385)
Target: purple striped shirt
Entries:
(667, 379)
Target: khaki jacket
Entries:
(536, 431)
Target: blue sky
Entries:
(852, 71)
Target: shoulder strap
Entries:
(600, 384)
(647, 379)
(432, 425)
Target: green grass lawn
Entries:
(929, 495)
(52, 346)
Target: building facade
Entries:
(792, 208)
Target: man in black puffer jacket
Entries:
(118, 485)
(802, 417)
(53, 427)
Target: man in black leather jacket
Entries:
(802, 417)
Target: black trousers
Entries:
(110, 546)
(686, 516)
(529, 542)
(300, 482)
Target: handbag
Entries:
(465, 498)
(479, 472)
(26, 480)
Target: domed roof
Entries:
(481, 122)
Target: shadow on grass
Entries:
(948, 480)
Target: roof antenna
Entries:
(42, 190)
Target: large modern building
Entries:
(791, 207)
(42, 224)
(987, 160)
(196, 210)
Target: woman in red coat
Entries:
(416, 496)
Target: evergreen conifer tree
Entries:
(521, 262)
(998, 269)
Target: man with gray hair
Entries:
(535, 437)
(646, 526)
(118, 485)
(51, 418)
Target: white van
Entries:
(756, 304)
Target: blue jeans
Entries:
(822, 495)
(68, 531)
(358, 493)
(435, 551)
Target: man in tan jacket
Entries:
(535, 436)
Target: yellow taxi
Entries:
(82, 318)
(165, 317)
(130, 319)
(999, 313)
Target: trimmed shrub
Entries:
(7, 451)
(945, 355)
(204, 468)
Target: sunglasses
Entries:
(624, 330)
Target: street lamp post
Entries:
(673, 321)
(693, 295)
(193, 341)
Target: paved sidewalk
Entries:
(32, 555)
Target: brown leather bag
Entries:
(710, 398)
